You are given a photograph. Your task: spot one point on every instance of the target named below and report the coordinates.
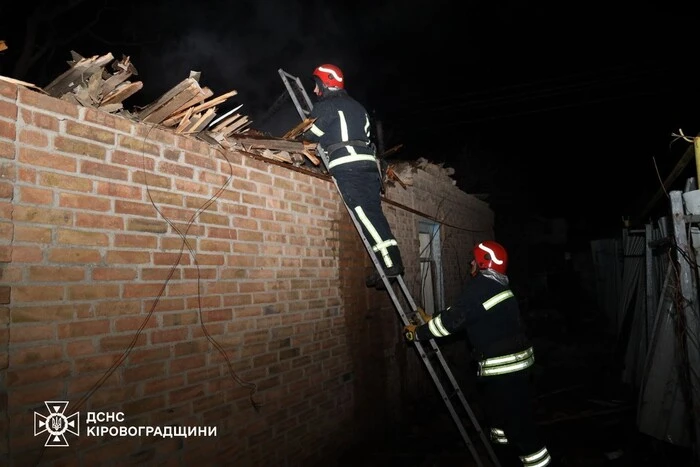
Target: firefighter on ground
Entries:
(342, 129)
(489, 313)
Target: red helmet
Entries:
(330, 76)
(491, 255)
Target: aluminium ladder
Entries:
(300, 98)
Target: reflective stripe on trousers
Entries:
(537, 459)
(379, 245)
(507, 363)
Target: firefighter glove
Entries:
(424, 316)
(409, 332)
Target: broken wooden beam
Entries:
(122, 92)
(77, 74)
(271, 143)
(170, 101)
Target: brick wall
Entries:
(144, 272)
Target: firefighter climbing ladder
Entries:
(301, 100)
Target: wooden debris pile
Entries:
(89, 83)
(188, 108)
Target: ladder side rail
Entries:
(465, 404)
(285, 79)
(450, 407)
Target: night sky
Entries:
(555, 109)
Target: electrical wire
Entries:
(252, 387)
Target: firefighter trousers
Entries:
(360, 187)
(509, 412)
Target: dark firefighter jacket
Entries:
(490, 314)
(342, 128)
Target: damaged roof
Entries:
(189, 108)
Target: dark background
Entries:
(551, 109)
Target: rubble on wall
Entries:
(103, 83)
(403, 171)
(189, 108)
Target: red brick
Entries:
(6, 190)
(34, 138)
(7, 150)
(99, 221)
(92, 292)
(127, 257)
(36, 157)
(135, 241)
(119, 191)
(35, 293)
(74, 255)
(152, 180)
(138, 145)
(103, 170)
(33, 195)
(47, 103)
(64, 181)
(40, 120)
(7, 129)
(8, 90)
(122, 342)
(27, 254)
(79, 147)
(37, 354)
(104, 119)
(133, 323)
(113, 274)
(82, 237)
(138, 209)
(179, 319)
(141, 290)
(23, 376)
(90, 132)
(139, 161)
(96, 327)
(117, 308)
(83, 202)
(55, 273)
(175, 169)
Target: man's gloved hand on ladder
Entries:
(409, 332)
(423, 315)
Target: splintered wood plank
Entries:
(170, 101)
(184, 122)
(299, 129)
(202, 122)
(209, 104)
(226, 122)
(165, 98)
(83, 96)
(115, 80)
(390, 151)
(201, 97)
(94, 86)
(76, 75)
(235, 126)
(111, 108)
(309, 151)
(270, 143)
(22, 83)
(121, 93)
